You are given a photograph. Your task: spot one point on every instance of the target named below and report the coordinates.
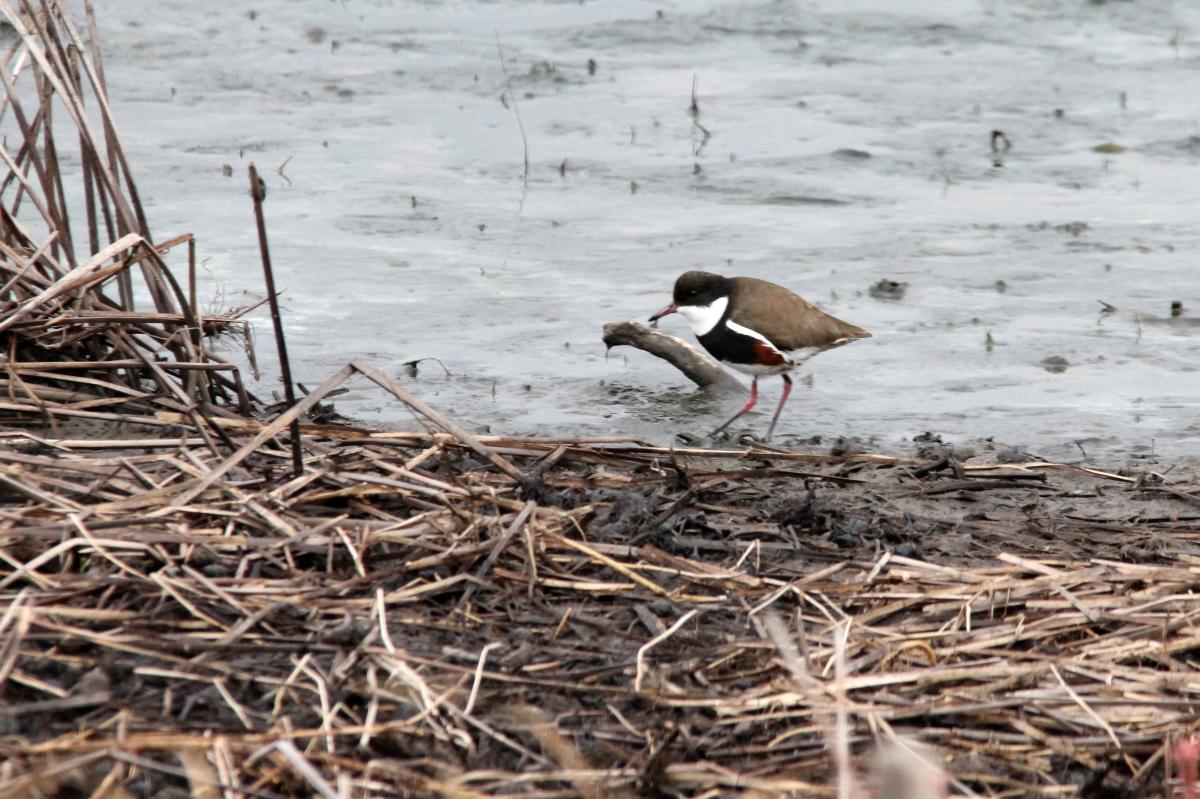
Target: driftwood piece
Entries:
(701, 369)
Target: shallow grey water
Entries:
(849, 144)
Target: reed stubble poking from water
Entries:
(258, 194)
(438, 613)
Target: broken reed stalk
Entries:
(516, 111)
(258, 192)
(198, 329)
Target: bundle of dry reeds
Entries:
(109, 334)
(441, 614)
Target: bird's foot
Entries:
(720, 434)
(743, 437)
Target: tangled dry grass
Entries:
(438, 614)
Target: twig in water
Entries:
(410, 367)
(694, 110)
(280, 170)
(704, 137)
(517, 111)
(258, 193)
(192, 280)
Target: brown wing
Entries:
(785, 318)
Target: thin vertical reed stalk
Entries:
(258, 193)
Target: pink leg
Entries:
(787, 389)
(749, 404)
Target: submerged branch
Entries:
(696, 365)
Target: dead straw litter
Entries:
(441, 614)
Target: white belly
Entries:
(758, 370)
(794, 359)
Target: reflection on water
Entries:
(834, 147)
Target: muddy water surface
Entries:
(837, 144)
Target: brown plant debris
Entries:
(441, 614)
(390, 612)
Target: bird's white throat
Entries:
(704, 318)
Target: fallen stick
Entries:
(267, 432)
(695, 365)
(456, 430)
